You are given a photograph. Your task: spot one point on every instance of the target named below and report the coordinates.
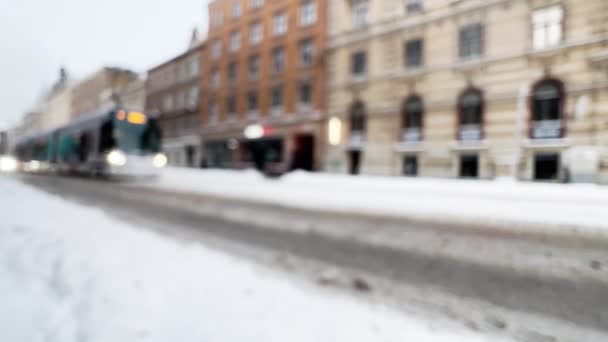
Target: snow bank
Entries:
(503, 202)
(70, 273)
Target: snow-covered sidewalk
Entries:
(548, 207)
(71, 273)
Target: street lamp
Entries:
(334, 131)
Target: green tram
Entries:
(115, 142)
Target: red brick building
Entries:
(263, 66)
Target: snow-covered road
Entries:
(71, 273)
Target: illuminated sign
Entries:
(121, 115)
(137, 118)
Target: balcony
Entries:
(547, 129)
(470, 132)
(411, 135)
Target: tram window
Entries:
(150, 140)
(84, 146)
(106, 138)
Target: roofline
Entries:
(181, 55)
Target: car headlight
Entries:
(160, 160)
(8, 164)
(117, 158)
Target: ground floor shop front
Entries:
(276, 148)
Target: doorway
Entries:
(546, 167)
(469, 166)
(303, 157)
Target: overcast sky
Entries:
(39, 36)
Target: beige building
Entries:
(470, 88)
(99, 90)
(56, 107)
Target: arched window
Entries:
(357, 117)
(547, 109)
(470, 108)
(411, 113)
(546, 99)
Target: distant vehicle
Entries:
(108, 143)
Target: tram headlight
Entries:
(160, 160)
(8, 164)
(116, 158)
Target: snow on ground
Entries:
(550, 206)
(71, 273)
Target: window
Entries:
(412, 119)
(218, 19)
(193, 96)
(308, 13)
(548, 27)
(236, 9)
(252, 102)
(410, 166)
(358, 63)
(194, 67)
(307, 51)
(359, 12)
(215, 79)
(213, 113)
(413, 6)
(232, 72)
(279, 24)
(278, 59)
(255, 33)
(471, 41)
(470, 107)
(235, 40)
(216, 49)
(254, 67)
(276, 98)
(305, 94)
(547, 110)
(469, 166)
(256, 3)
(181, 72)
(413, 53)
(168, 102)
(357, 117)
(231, 106)
(180, 99)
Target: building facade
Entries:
(131, 95)
(99, 89)
(264, 84)
(173, 93)
(470, 88)
(56, 108)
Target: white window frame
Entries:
(215, 78)
(256, 3)
(279, 24)
(305, 45)
(193, 96)
(216, 49)
(235, 41)
(308, 12)
(256, 33)
(360, 13)
(218, 19)
(236, 10)
(274, 59)
(547, 27)
(213, 113)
